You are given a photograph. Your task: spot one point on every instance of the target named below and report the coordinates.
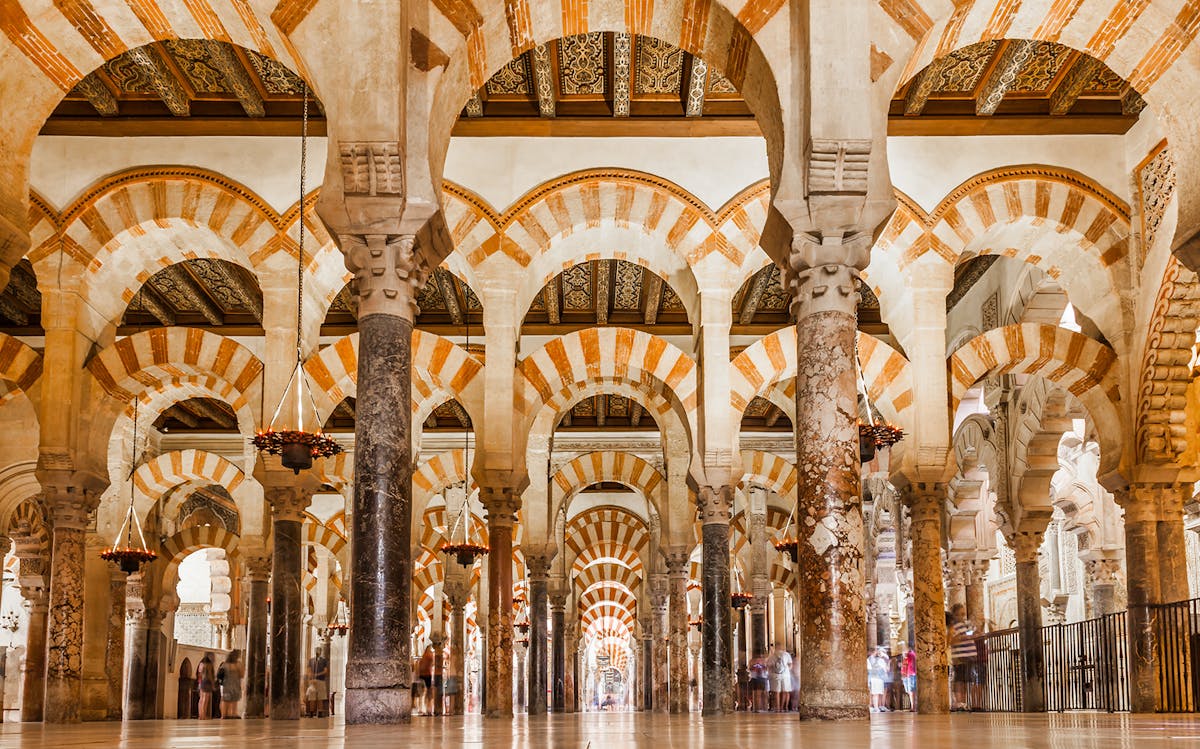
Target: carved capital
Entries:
(1103, 571)
(1143, 502)
(538, 563)
(716, 505)
(1025, 544)
(457, 592)
(502, 505)
(258, 565)
(388, 274)
(925, 501)
(288, 502)
(676, 559)
(823, 275)
(68, 503)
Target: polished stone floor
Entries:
(617, 730)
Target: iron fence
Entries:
(1087, 665)
(1177, 631)
(999, 662)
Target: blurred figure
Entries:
(230, 678)
(962, 655)
(908, 674)
(759, 683)
(877, 667)
(205, 683)
(779, 671)
(425, 671)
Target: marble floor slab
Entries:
(632, 730)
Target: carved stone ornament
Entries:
(838, 166)
(387, 274)
(372, 168)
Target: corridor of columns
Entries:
(589, 358)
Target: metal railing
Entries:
(999, 663)
(1086, 665)
(1177, 630)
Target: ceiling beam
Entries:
(447, 285)
(191, 290)
(183, 416)
(164, 82)
(155, 305)
(922, 86)
(10, 311)
(550, 300)
(1009, 64)
(635, 413)
(541, 63)
(247, 295)
(622, 73)
(1079, 75)
(652, 292)
(754, 296)
(603, 271)
(98, 95)
(601, 406)
(697, 84)
(214, 413)
(237, 77)
(23, 286)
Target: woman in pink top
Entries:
(908, 673)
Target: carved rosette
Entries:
(388, 275)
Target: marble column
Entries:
(502, 506)
(33, 679)
(1029, 620)
(570, 683)
(716, 509)
(379, 668)
(659, 654)
(1172, 544)
(925, 503)
(1142, 580)
(287, 596)
(64, 634)
(258, 574)
(976, 574)
(647, 672)
(758, 625)
(438, 641)
(522, 679)
(136, 629)
(677, 650)
(1100, 587)
(114, 650)
(457, 593)
(833, 637)
(558, 648)
(539, 609)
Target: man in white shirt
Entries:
(779, 671)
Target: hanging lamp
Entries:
(789, 543)
(740, 600)
(339, 626)
(128, 557)
(875, 434)
(464, 552)
(297, 447)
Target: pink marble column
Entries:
(1029, 620)
(926, 501)
(1142, 575)
(502, 505)
(677, 570)
(833, 637)
(64, 651)
(114, 652)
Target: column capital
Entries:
(502, 505)
(822, 274)
(1144, 501)
(676, 558)
(258, 565)
(715, 504)
(1025, 544)
(1103, 570)
(538, 559)
(388, 273)
(69, 502)
(457, 592)
(925, 501)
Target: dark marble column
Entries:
(379, 668)
(287, 595)
(33, 679)
(647, 674)
(677, 651)
(64, 634)
(570, 688)
(929, 608)
(1029, 620)
(558, 649)
(1142, 578)
(539, 610)
(758, 625)
(1172, 545)
(114, 651)
(438, 641)
(716, 506)
(833, 637)
(258, 574)
(502, 506)
(456, 593)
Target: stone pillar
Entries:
(833, 638)
(64, 635)
(457, 593)
(647, 672)
(976, 574)
(1172, 545)
(288, 500)
(539, 609)
(1029, 620)
(502, 506)
(1100, 587)
(955, 584)
(570, 683)
(114, 650)
(522, 648)
(658, 624)
(716, 506)
(379, 668)
(925, 502)
(136, 637)
(258, 573)
(758, 624)
(33, 680)
(1142, 580)
(558, 650)
(438, 641)
(677, 650)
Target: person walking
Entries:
(318, 675)
(962, 655)
(877, 666)
(229, 676)
(908, 674)
(205, 684)
(425, 672)
(758, 684)
(779, 671)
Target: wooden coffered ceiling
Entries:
(21, 302)
(198, 293)
(761, 306)
(446, 305)
(606, 292)
(1014, 87)
(198, 415)
(604, 83)
(186, 87)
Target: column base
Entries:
(834, 712)
(380, 706)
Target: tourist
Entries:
(229, 676)
(759, 683)
(908, 674)
(779, 673)
(205, 683)
(962, 655)
(877, 666)
(318, 675)
(743, 685)
(425, 672)
(452, 686)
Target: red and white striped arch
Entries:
(608, 465)
(20, 370)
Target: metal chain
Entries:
(300, 253)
